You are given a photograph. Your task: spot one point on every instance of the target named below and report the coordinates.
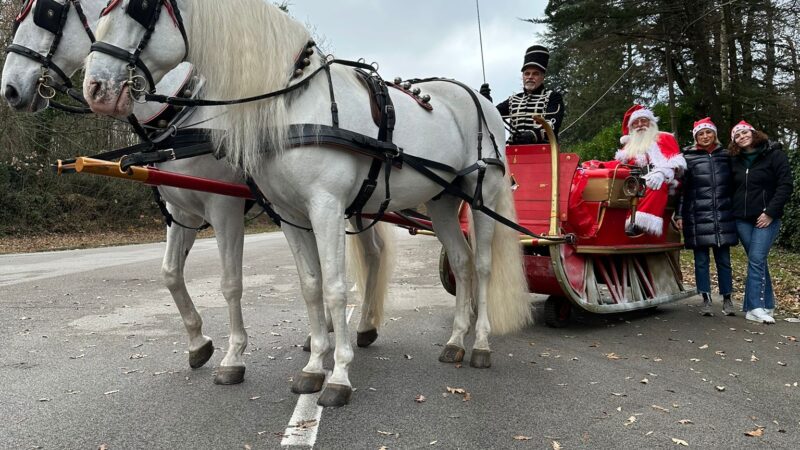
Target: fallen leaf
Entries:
(111, 392)
(648, 433)
(630, 420)
(753, 358)
(781, 363)
(703, 347)
(456, 390)
(102, 447)
(758, 432)
(644, 381)
(694, 359)
(520, 437)
(660, 408)
(721, 388)
(680, 442)
(685, 422)
(306, 424)
(556, 445)
(255, 398)
(388, 433)
(612, 356)
(247, 447)
(44, 399)
(420, 399)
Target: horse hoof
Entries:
(227, 375)
(335, 395)
(308, 383)
(201, 356)
(307, 344)
(481, 359)
(365, 338)
(452, 354)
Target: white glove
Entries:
(654, 180)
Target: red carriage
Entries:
(604, 270)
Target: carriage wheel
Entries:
(445, 274)
(556, 312)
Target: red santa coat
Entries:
(663, 156)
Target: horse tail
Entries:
(371, 266)
(508, 301)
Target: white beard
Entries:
(641, 141)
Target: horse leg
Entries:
(483, 227)
(304, 249)
(330, 239)
(229, 228)
(371, 258)
(179, 242)
(502, 289)
(444, 214)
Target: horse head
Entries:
(51, 40)
(138, 42)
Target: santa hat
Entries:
(633, 113)
(536, 56)
(704, 124)
(741, 126)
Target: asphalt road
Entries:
(93, 354)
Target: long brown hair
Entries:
(759, 137)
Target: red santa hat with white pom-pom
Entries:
(633, 113)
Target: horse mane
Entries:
(246, 48)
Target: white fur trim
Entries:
(740, 127)
(622, 156)
(650, 223)
(657, 159)
(624, 139)
(704, 126)
(644, 112)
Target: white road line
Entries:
(307, 416)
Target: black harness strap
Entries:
(168, 218)
(262, 201)
(380, 93)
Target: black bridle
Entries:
(51, 16)
(146, 13)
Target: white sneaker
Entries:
(770, 311)
(759, 315)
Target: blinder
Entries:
(50, 15)
(143, 11)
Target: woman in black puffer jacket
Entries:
(705, 213)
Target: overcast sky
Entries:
(424, 38)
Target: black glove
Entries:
(522, 138)
(485, 91)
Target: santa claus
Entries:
(658, 154)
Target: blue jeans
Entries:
(722, 259)
(757, 242)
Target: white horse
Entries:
(248, 47)
(21, 89)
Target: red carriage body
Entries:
(604, 271)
